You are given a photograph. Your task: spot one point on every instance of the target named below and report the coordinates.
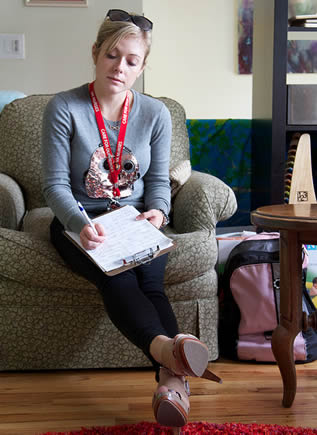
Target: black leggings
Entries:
(135, 300)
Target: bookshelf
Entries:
(270, 132)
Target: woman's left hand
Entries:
(154, 216)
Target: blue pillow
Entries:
(7, 96)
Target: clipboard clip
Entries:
(141, 257)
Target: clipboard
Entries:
(157, 243)
(141, 258)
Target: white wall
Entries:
(58, 44)
(194, 57)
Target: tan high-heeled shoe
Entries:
(188, 357)
(170, 401)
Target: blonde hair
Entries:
(111, 33)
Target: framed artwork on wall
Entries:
(66, 3)
(245, 36)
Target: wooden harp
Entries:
(298, 180)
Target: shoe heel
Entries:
(211, 376)
(193, 356)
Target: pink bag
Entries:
(249, 303)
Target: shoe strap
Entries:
(187, 389)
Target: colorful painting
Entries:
(245, 36)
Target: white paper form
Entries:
(125, 237)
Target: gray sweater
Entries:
(71, 137)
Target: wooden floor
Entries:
(33, 403)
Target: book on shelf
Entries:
(311, 273)
(129, 242)
(303, 17)
(309, 25)
(303, 21)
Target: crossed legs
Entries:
(135, 300)
(137, 305)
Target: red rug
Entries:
(145, 428)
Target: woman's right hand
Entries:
(89, 239)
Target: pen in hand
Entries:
(87, 218)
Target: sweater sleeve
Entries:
(57, 132)
(157, 192)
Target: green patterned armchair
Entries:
(50, 318)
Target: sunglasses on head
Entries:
(140, 21)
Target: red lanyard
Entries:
(114, 163)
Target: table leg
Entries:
(290, 312)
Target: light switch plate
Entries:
(12, 46)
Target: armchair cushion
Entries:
(179, 175)
(37, 221)
(12, 203)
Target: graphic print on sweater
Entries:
(97, 182)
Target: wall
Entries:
(58, 44)
(194, 57)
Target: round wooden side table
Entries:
(297, 224)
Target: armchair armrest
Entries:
(33, 262)
(202, 202)
(12, 206)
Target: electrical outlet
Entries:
(12, 46)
